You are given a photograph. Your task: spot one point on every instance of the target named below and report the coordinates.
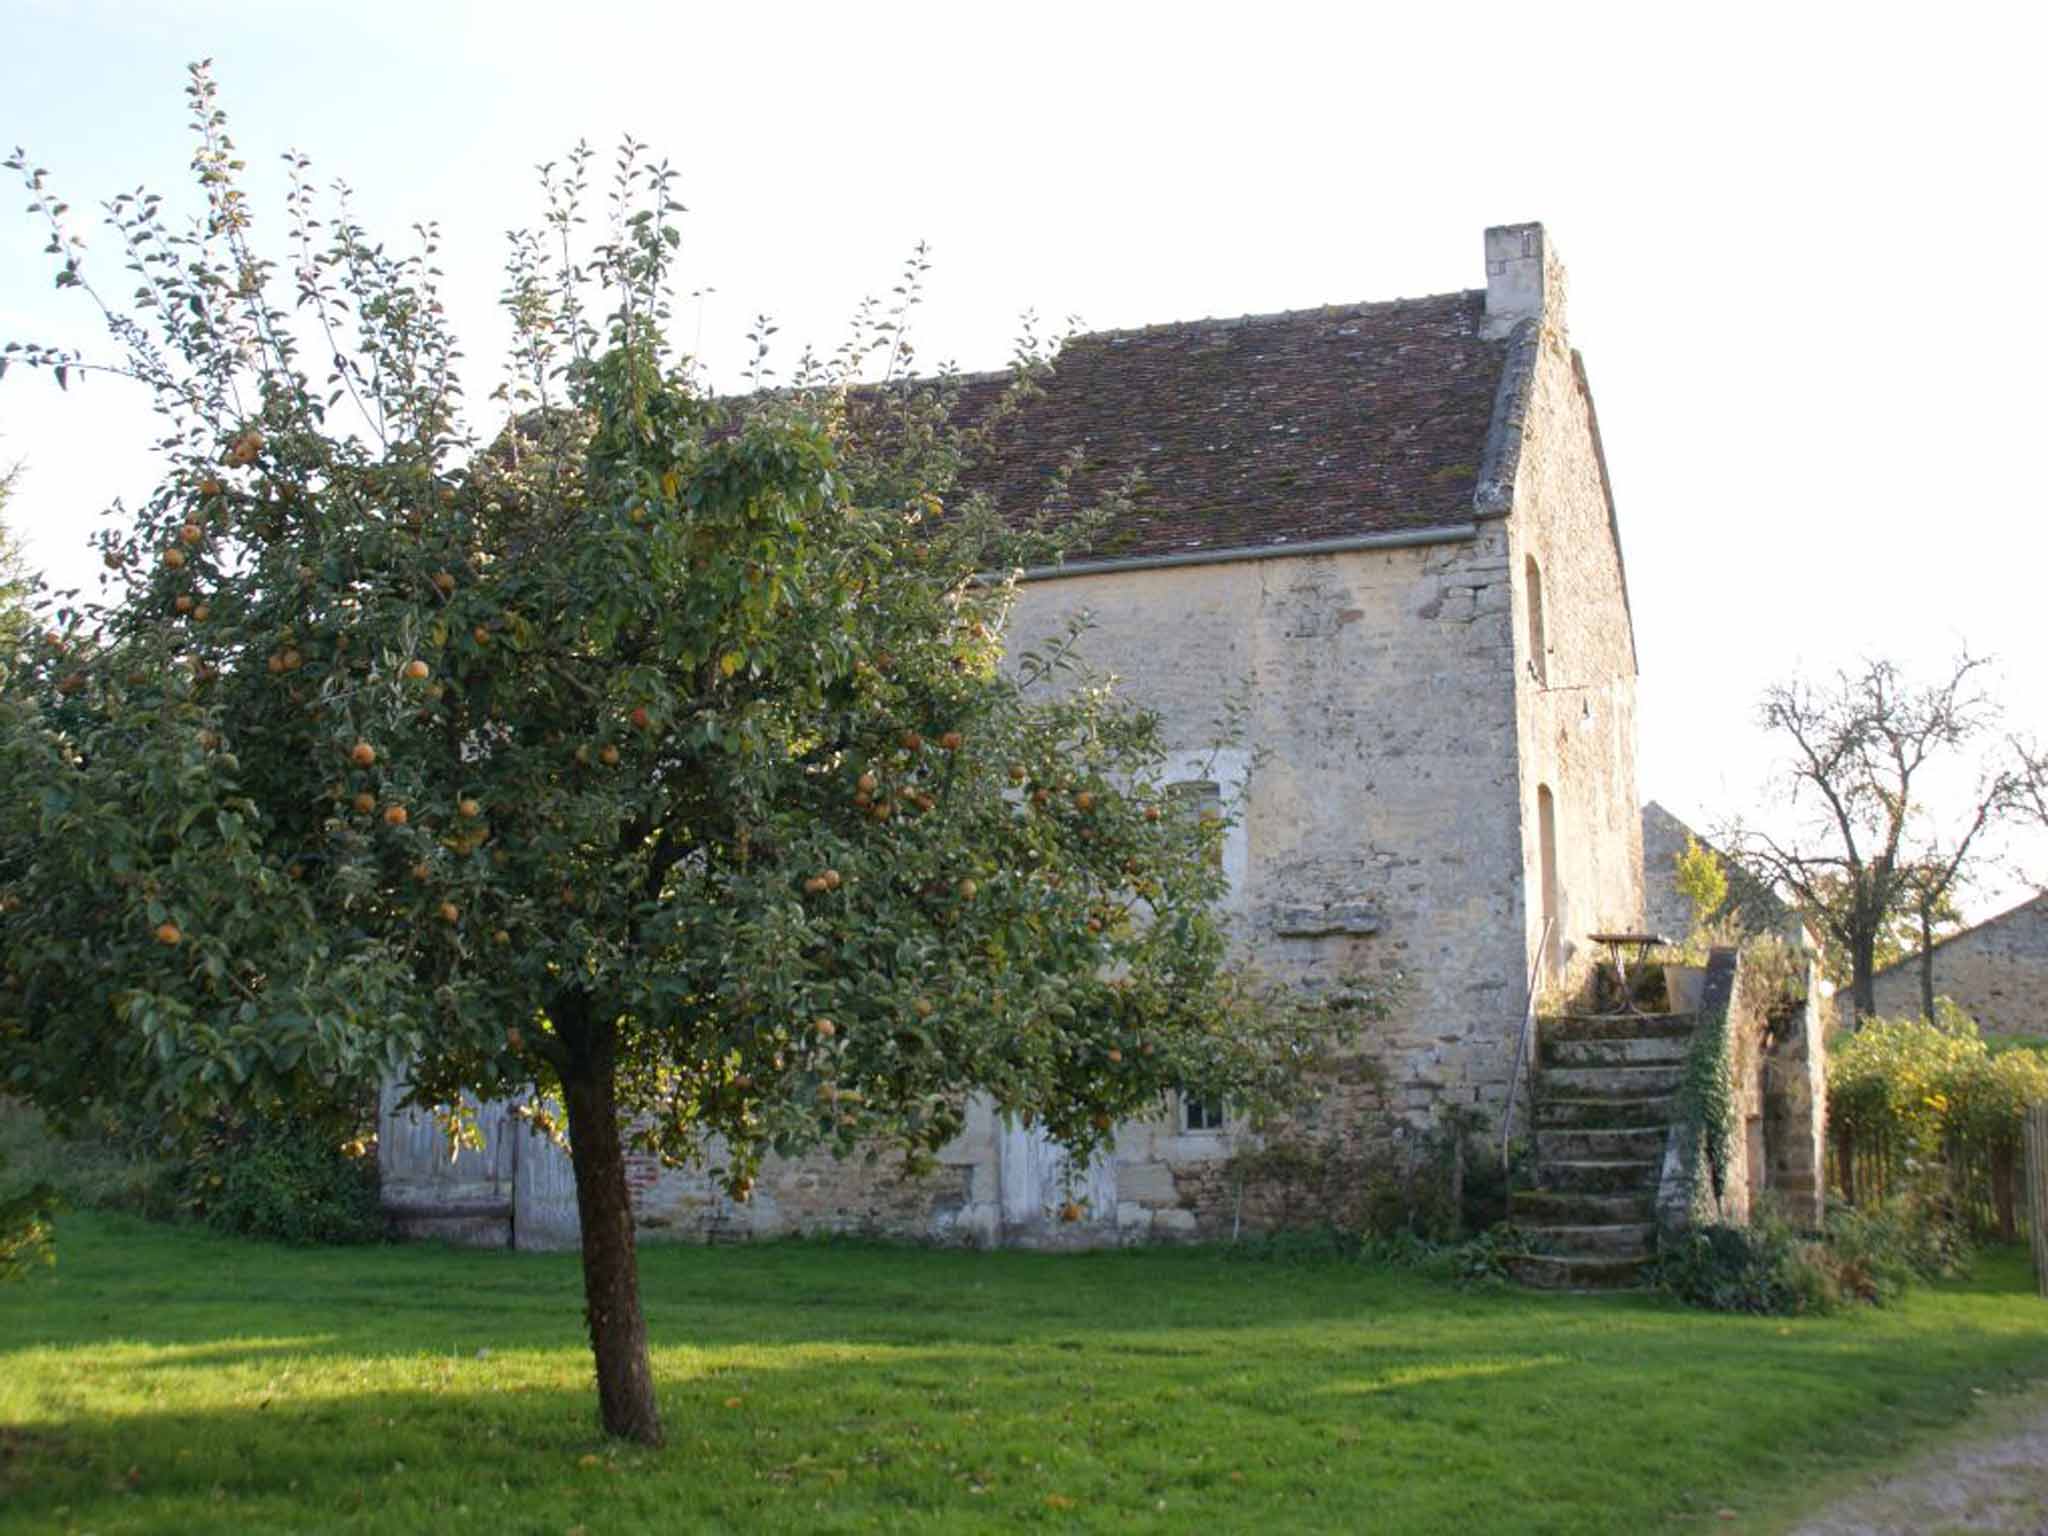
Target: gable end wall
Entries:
(1576, 712)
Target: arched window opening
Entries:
(1539, 651)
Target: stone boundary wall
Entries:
(1778, 1136)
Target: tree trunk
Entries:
(1926, 966)
(611, 1275)
(1863, 975)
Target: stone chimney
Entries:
(1524, 279)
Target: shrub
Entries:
(1879, 1252)
(1998, 1045)
(1914, 1101)
(1760, 1268)
(1704, 883)
(1769, 1267)
(1302, 1245)
(1481, 1260)
(285, 1181)
(102, 1164)
(1484, 1258)
(25, 1217)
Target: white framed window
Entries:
(1214, 783)
(1200, 801)
(1200, 1115)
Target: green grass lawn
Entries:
(161, 1379)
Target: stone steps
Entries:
(1602, 1097)
(1632, 1143)
(1559, 1272)
(1592, 1114)
(1563, 1208)
(1609, 1082)
(1652, 1051)
(1619, 1026)
(1599, 1178)
(1599, 1240)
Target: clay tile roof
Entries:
(1269, 430)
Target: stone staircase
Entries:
(1601, 1101)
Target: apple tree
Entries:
(25, 1212)
(654, 757)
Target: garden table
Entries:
(1618, 946)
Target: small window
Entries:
(1201, 1114)
(1539, 648)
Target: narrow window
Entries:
(1539, 653)
(1546, 844)
(1201, 804)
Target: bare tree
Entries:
(2032, 790)
(1931, 887)
(1869, 848)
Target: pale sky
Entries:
(1799, 240)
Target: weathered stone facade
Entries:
(1405, 727)
(1573, 659)
(1996, 972)
(1666, 909)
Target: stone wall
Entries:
(1666, 909)
(1996, 972)
(1382, 800)
(1732, 1003)
(1377, 838)
(1795, 1120)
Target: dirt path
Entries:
(1992, 1477)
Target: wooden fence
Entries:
(2036, 1136)
(1983, 1180)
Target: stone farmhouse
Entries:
(1996, 972)
(1391, 525)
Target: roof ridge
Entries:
(2039, 897)
(1360, 308)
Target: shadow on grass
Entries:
(170, 1380)
(1298, 1434)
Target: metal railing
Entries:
(1507, 1114)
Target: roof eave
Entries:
(1401, 538)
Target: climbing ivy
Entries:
(1706, 1095)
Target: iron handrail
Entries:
(1507, 1117)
